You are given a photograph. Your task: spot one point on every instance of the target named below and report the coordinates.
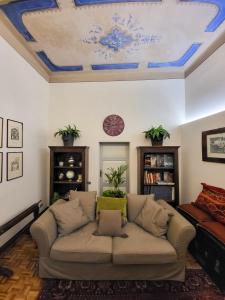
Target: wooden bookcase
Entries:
(158, 172)
(59, 181)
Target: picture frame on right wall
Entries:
(1, 166)
(1, 132)
(213, 145)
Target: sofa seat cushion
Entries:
(196, 213)
(216, 229)
(141, 247)
(83, 247)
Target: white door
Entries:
(113, 155)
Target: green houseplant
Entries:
(157, 135)
(115, 177)
(69, 134)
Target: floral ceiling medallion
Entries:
(116, 39)
(125, 34)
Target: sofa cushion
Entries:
(109, 203)
(154, 218)
(69, 216)
(110, 223)
(135, 204)
(213, 189)
(141, 247)
(214, 205)
(216, 229)
(87, 200)
(83, 247)
(196, 213)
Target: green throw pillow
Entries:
(108, 203)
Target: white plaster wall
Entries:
(205, 87)
(140, 103)
(24, 97)
(194, 170)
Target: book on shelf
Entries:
(161, 192)
(160, 160)
(168, 177)
(168, 160)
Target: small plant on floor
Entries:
(157, 135)
(115, 177)
(69, 134)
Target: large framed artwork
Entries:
(14, 134)
(213, 145)
(1, 132)
(1, 166)
(14, 165)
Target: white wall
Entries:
(205, 87)
(205, 96)
(194, 170)
(24, 97)
(140, 103)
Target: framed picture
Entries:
(14, 134)
(14, 165)
(1, 132)
(1, 165)
(213, 145)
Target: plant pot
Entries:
(157, 142)
(68, 140)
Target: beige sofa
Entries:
(82, 255)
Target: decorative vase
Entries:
(68, 140)
(157, 142)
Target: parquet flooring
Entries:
(22, 258)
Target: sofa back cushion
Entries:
(87, 201)
(135, 204)
(109, 203)
(69, 216)
(154, 218)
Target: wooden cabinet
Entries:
(158, 173)
(68, 170)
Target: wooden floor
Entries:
(22, 259)
(25, 284)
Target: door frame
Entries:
(127, 144)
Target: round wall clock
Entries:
(113, 125)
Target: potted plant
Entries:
(115, 177)
(68, 134)
(157, 135)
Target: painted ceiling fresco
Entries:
(117, 39)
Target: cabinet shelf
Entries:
(67, 167)
(67, 182)
(159, 164)
(61, 188)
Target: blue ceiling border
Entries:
(115, 66)
(54, 68)
(93, 2)
(219, 18)
(177, 63)
(15, 10)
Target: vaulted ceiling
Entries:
(102, 40)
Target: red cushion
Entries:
(196, 213)
(215, 228)
(212, 204)
(213, 190)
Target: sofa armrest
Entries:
(180, 231)
(44, 231)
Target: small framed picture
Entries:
(14, 165)
(14, 134)
(1, 132)
(1, 165)
(213, 145)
